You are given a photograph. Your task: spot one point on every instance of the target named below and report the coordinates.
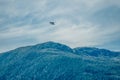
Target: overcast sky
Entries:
(78, 23)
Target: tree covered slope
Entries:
(55, 61)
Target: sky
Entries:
(78, 23)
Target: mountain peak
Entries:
(54, 45)
(92, 51)
(48, 42)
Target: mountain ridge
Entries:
(55, 61)
(62, 47)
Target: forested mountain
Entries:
(55, 61)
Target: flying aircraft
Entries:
(52, 23)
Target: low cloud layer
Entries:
(77, 23)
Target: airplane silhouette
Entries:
(52, 23)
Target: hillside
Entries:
(55, 61)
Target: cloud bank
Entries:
(78, 23)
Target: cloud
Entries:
(27, 22)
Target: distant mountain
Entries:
(55, 61)
(91, 51)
